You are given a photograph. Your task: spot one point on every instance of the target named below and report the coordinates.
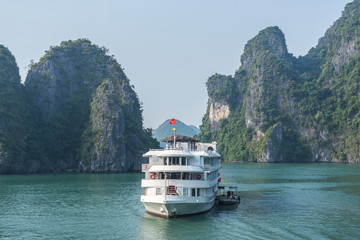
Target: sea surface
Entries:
(278, 201)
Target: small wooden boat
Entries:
(228, 195)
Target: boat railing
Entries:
(228, 190)
(156, 177)
(207, 167)
(180, 148)
(211, 167)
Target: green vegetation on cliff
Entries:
(13, 136)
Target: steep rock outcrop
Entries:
(108, 153)
(266, 73)
(345, 52)
(13, 135)
(218, 111)
(87, 114)
(270, 39)
(223, 97)
(272, 151)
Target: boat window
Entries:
(212, 176)
(158, 191)
(198, 192)
(186, 176)
(193, 192)
(172, 160)
(185, 191)
(183, 161)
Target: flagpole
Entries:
(172, 121)
(175, 138)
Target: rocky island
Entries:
(76, 112)
(279, 108)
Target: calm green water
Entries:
(278, 201)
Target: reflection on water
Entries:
(278, 201)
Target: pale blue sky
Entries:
(168, 48)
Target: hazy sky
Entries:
(168, 48)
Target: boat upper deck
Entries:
(179, 145)
(182, 154)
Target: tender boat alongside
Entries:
(228, 195)
(181, 179)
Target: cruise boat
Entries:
(181, 179)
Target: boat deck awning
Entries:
(175, 168)
(179, 138)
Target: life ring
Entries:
(219, 179)
(152, 176)
(198, 177)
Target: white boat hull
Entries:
(172, 209)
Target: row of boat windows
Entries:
(184, 161)
(213, 175)
(190, 192)
(176, 175)
(211, 161)
(175, 161)
(184, 176)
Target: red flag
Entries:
(172, 121)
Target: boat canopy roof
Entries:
(179, 138)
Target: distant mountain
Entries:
(195, 128)
(165, 130)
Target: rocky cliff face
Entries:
(13, 135)
(218, 111)
(84, 98)
(272, 152)
(269, 40)
(107, 152)
(83, 113)
(222, 97)
(289, 109)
